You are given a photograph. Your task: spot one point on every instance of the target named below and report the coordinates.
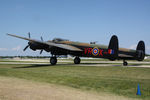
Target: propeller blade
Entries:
(29, 35)
(41, 51)
(41, 38)
(25, 48)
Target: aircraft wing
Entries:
(62, 46)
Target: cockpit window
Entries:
(59, 39)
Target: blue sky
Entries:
(77, 20)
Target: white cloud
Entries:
(133, 46)
(3, 49)
(16, 48)
(148, 49)
(12, 49)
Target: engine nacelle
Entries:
(35, 46)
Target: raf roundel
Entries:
(95, 51)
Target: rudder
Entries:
(140, 51)
(113, 45)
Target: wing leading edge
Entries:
(62, 46)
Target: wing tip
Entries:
(7, 34)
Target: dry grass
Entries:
(20, 89)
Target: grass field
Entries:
(112, 79)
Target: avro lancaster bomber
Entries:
(59, 47)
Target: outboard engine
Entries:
(34, 46)
(140, 51)
(113, 45)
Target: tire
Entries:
(125, 63)
(77, 60)
(53, 60)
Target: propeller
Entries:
(28, 42)
(29, 35)
(42, 41)
(41, 51)
(41, 38)
(26, 47)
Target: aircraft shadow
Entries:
(34, 66)
(91, 64)
(42, 65)
(72, 64)
(136, 64)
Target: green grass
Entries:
(17, 61)
(117, 80)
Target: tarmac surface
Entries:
(83, 63)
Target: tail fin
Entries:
(140, 51)
(113, 45)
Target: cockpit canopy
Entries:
(59, 40)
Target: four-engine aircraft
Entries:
(59, 46)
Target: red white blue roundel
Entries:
(95, 51)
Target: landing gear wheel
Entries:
(125, 63)
(53, 60)
(77, 60)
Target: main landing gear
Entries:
(53, 60)
(77, 60)
(125, 63)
